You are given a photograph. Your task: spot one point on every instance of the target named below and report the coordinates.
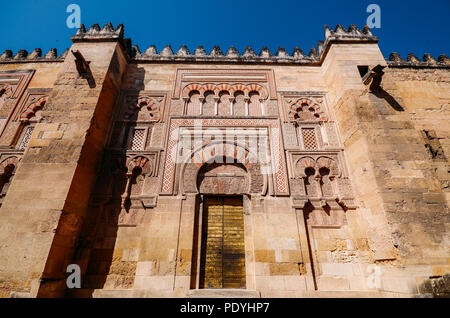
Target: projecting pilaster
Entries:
(48, 197)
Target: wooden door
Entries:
(222, 262)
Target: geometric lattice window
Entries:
(309, 138)
(138, 140)
(26, 138)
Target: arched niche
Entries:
(193, 170)
(319, 175)
(7, 170)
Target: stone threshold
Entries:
(354, 294)
(148, 293)
(223, 293)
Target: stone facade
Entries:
(110, 158)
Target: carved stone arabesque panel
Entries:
(224, 167)
(276, 150)
(290, 135)
(12, 86)
(140, 117)
(136, 144)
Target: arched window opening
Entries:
(194, 104)
(254, 106)
(5, 180)
(209, 104)
(310, 182)
(224, 107)
(136, 181)
(239, 104)
(325, 182)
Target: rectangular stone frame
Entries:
(21, 78)
(225, 75)
(279, 178)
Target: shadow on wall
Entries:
(381, 93)
(95, 247)
(102, 266)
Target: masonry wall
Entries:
(52, 184)
(420, 172)
(66, 201)
(402, 201)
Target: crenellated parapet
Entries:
(352, 33)
(340, 35)
(316, 55)
(22, 56)
(95, 33)
(183, 54)
(395, 60)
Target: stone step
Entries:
(223, 293)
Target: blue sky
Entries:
(406, 26)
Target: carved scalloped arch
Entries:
(144, 101)
(189, 88)
(31, 110)
(329, 163)
(296, 107)
(303, 163)
(152, 107)
(139, 161)
(217, 88)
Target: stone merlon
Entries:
(340, 35)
